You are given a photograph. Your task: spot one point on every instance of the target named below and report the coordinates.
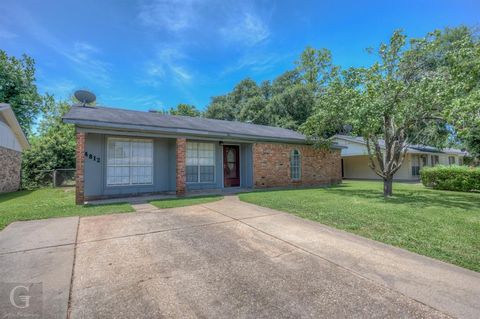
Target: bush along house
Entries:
(124, 153)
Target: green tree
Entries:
(17, 88)
(52, 147)
(185, 110)
(456, 53)
(394, 103)
(292, 107)
(316, 68)
(236, 105)
(221, 108)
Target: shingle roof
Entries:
(413, 147)
(113, 118)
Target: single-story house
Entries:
(123, 152)
(12, 144)
(355, 159)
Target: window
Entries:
(451, 160)
(434, 159)
(415, 170)
(129, 162)
(424, 160)
(416, 160)
(295, 165)
(200, 162)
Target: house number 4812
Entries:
(92, 157)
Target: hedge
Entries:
(452, 178)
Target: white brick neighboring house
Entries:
(355, 159)
(12, 143)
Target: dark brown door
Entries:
(231, 171)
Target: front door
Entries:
(231, 170)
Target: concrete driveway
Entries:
(226, 259)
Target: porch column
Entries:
(181, 172)
(79, 172)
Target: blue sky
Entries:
(153, 54)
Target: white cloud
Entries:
(156, 70)
(60, 88)
(83, 56)
(181, 73)
(249, 30)
(173, 15)
(231, 21)
(257, 62)
(167, 65)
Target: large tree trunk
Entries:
(388, 186)
(385, 160)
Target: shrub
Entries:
(452, 178)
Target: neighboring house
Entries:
(12, 143)
(355, 162)
(122, 152)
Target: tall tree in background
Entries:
(185, 110)
(52, 147)
(456, 52)
(286, 102)
(17, 88)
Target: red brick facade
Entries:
(79, 173)
(181, 163)
(271, 165)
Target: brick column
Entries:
(181, 172)
(79, 173)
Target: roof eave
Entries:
(410, 149)
(181, 131)
(12, 121)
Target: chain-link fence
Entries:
(61, 177)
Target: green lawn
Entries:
(49, 202)
(186, 201)
(440, 224)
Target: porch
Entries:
(112, 165)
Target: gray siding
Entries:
(164, 168)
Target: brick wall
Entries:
(181, 162)
(10, 164)
(79, 173)
(271, 165)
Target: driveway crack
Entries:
(69, 305)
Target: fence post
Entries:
(54, 178)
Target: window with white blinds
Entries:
(200, 162)
(129, 162)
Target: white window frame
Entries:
(130, 165)
(292, 155)
(198, 163)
